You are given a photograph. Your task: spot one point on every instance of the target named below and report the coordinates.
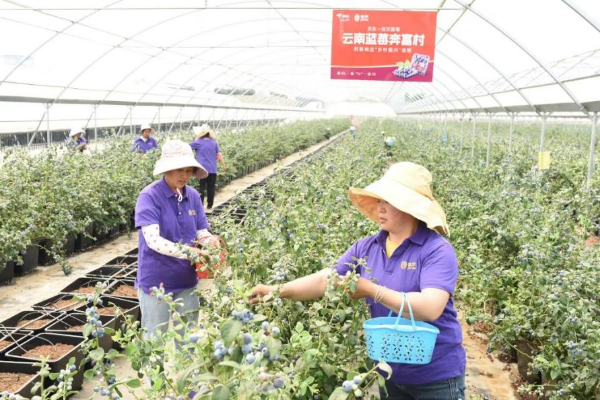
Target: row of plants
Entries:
(526, 273)
(57, 194)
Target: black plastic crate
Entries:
(61, 327)
(65, 303)
(34, 317)
(23, 368)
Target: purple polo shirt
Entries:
(179, 222)
(206, 153)
(425, 260)
(142, 146)
(81, 140)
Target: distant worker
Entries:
(207, 153)
(76, 135)
(145, 142)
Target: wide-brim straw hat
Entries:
(200, 131)
(175, 155)
(407, 187)
(147, 126)
(75, 131)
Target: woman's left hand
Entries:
(364, 288)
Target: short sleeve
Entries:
(217, 148)
(146, 211)
(201, 221)
(348, 259)
(439, 269)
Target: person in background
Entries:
(145, 142)
(207, 153)
(408, 255)
(76, 135)
(168, 212)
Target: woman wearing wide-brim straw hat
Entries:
(207, 153)
(167, 212)
(76, 135)
(408, 255)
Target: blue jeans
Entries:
(448, 389)
(156, 315)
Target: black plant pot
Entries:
(84, 283)
(59, 302)
(30, 261)
(13, 338)
(45, 256)
(82, 242)
(132, 253)
(123, 282)
(128, 307)
(21, 368)
(61, 327)
(113, 232)
(123, 261)
(70, 245)
(524, 358)
(57, 364)
(109, 272)
(36, 322)
(8, 273)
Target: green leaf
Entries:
(259, 318)
(339, 394)
(221, 393)
(328, 369)
(231, 328)
(299, 327)
(182, 378)
(89, 374)
(133, 383)
(97, 354)
(206, 377)
(87, 330)
(231, 364)
(112, 354)
(385, 367)
(554, 373)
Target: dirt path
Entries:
(485, 376)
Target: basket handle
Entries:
(410, 311)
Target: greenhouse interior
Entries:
(272, 199)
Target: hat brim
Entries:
(163, 166)
(402, 198)
(152, 130)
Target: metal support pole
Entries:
(592, 149)
(510, 136)
(543, 135)
(95, 127)
(159, 126)
(48, 135)
(489, 142)
(473, 138)
(462, 131)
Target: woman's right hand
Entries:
(258, 292)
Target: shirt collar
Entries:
(144, 139)
(417, 238)
(167, 191)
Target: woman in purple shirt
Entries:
(409, 255)
(207, 153)
(170, 212)
(76, 135)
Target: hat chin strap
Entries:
(179, 195)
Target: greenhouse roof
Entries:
(491, 56)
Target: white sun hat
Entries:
(75, 131)
(147, 126)
(407, 187)
(203, 130)
(175, 155)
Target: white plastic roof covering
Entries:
(491, 56)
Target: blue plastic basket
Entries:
(400, 340)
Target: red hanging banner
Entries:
(383, 45)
